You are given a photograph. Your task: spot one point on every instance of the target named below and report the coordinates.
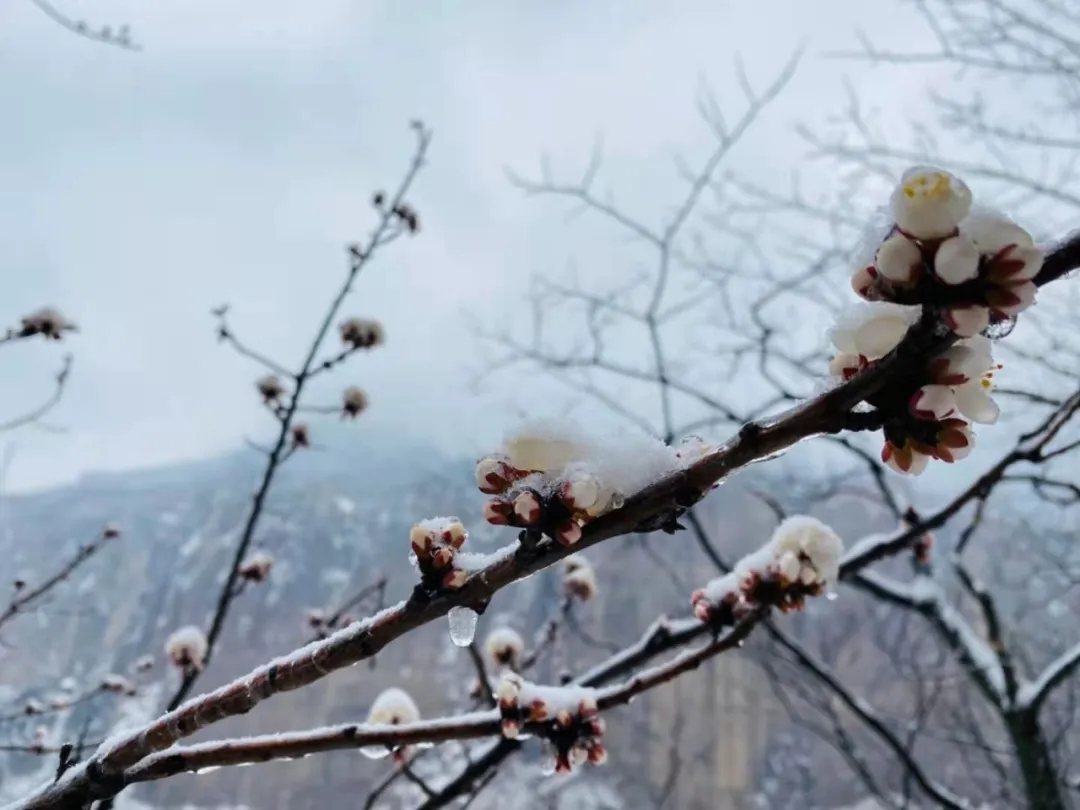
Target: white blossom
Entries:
(929, 203)
(873, 330)
(504, 647)
(812, 545)
(393, 707)
(187, 647)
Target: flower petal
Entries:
(975, 403)
(956, 260)
(968, 320)
(899, 259)
(932, 402)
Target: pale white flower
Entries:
(967, 320)
(393, 707)
(504, 647)
(873, 330)
(187, 647)
(956, 260)
(972, 395)
(963, 361)
(899, 259)
(929, 203)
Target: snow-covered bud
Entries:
(967, 320)
(301, 436)
(494, 475)
(270, 388)
(956, 260)
(256, 568)
(110, 531)
(361, 333)
(579, 578)
(504, 647)
(932, 402)
(187, 648)
(353, 402)
(118, 684)
(316, 618)
(568, 532)
(48, 322)
(929, 203)
(33, 707)
(813, 546)
(497, 511)
(393, 707)
(144, 663)
(527, 507)
(899, 260)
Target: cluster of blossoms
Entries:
(801, 559)
(393, 707)
(973, 268)
(187, 648)
(436, 551)
(505, 648)
(256, 568)
(565, 716)
(976, 266)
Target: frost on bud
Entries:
(956, 260)
(353, 402)
(899, 260)
(270, 388)
(579, 578)
(110, 531)
(256, 568)
(47, 322)
(932, 402)
(497, 511)
(187, 648)
(118, 684)
(504, 647)
(494, 475)
(361, 333)
(301, 436)
(527, 507)
(929, 203)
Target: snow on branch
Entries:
(562, 502)
(1032, 694)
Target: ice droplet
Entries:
(547, 757)
(462, 625)
(375, 751)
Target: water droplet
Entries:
(462, 625)
(375, 751)
(547, 757)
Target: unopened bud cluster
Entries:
(556, 504)
(975, 267)
(435, 545)
(566, 717)
(801, 559)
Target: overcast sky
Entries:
(234, 156)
